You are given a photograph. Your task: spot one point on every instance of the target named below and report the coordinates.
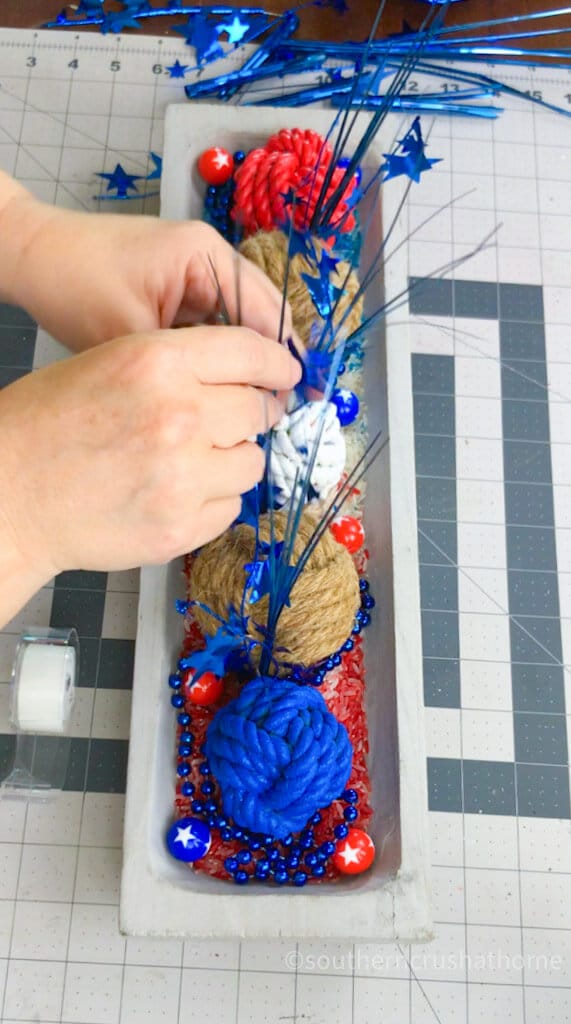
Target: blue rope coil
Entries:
(278, 755)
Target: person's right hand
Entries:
(136, 451)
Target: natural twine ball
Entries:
(324, 600)
(269, 250)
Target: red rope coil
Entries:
(293, 160)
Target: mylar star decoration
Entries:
(116, 22)
(201, 34)
(177, 70)
(259, 572)
(324, 294)
(213, 657)
(158, 162)
(119, 182)
(235, 30)
(412, 160)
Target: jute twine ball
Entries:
(324, 600)
(269, 249)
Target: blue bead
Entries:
(241, 877)
(316, 818)
(292, 862)
(347, 405)
(261, 873)
(356, 628)
(359, 615)
(226, 834)
(319, 678)
(254, 844)
(211, 190)
(296, 850)
(177, 700)
(243, 856)
(350, 813)
(340, 831)
(175, 682)
(186, 737)
(211, 806)
(207, 788)
(287, 841)
(239, 156)
(183, 769)
(329, 665)
(268, 840)
(187, 789)
(231, 864)
(280, 864)
(365, 619)
(197, 806)
(328, 848)
(273, 854)
(336, 659)
(184, 751)
(306, 840)
(211, 819)
(341, 369)
(300, 878)
(221, 822)
(350, 795)
(183, 719)
(348, 645)
(368, 601)
(321, 856)
(238, 833)
(318, 871)
(263, 864)
(311, 859)
(363, 584)
(204, 768)
(188, 839)
(281, 877)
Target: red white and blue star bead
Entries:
(188, 839)
(347, 405)
(215, 165)
(354, 853)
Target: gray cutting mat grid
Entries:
(492, 384)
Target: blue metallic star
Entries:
(235, 30)
(120, 181)
(117, 22)
(158, 162)
(324, 295)
(202, 35)
(213, 657)
(412, 160)
(259, 573)
(177, 70)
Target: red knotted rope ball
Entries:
(293, 160)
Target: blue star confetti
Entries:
(235, 30)
(177, 70)
(412, 159)
(119, 182)
(201, 34)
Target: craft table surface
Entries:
(492, 390)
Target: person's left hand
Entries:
(88, 278)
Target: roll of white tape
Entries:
(45, 688)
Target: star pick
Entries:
(235, 30)
(177, 70)
(202, 35)
(120, 182)
(412, 159)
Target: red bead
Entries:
(355, 853)
(207, 689)
(349, 532)
(216, 165)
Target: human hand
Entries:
(137, 450)
(89, 278)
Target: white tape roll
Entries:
(45, 689)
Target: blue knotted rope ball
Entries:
(278, 755)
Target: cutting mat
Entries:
(492, 390)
